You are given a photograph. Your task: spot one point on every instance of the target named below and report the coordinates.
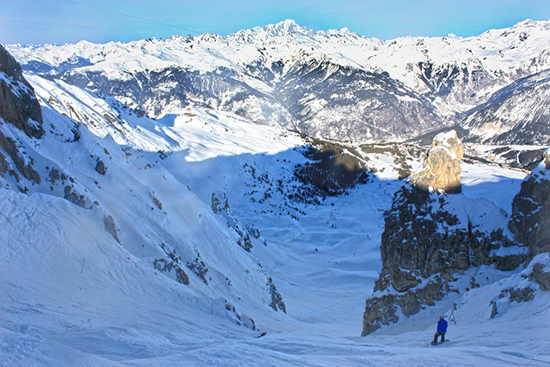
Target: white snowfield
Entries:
(71, 295)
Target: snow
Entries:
(73, 295)
(491, 183)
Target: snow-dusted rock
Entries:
(19, 108)
(18, 104)
(530, 220)
(541, 274)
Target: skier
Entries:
(441, 330)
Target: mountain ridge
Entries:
(450, 75)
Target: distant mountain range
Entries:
(333, 84)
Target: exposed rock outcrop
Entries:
(199, 267)
(18, 103)
(530, 221)
(20, 108)
(425, 245)
(100, 167)
(421, 238)
(441, 167)
(23, 163)
(220, 202)
(277, 302)
(171, 262)
(156, 201)
(220, 205)
(542, 276)
(384, 310)
(109, 224)
(76, 198)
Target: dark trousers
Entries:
(442, 335)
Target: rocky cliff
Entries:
(530, 221)
(18, 104)
(18, 108)
(429, 240)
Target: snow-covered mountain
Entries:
(157, 210)
(516, 114)
(332, 84)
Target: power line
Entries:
(133, 16)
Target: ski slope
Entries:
(73, 295)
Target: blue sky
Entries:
(60, 21)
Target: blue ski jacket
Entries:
(442, 326)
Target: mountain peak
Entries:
(287, 23)
(285, 28)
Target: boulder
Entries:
(109, 224)
(100, 167)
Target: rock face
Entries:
(531, 209)
(171, 262)
(18, 104)
(441, 168)
(423, 247)
(422, 238)
(384, 310)
(18, 107)
(277, 302)
(220, 202)
(541, 276)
